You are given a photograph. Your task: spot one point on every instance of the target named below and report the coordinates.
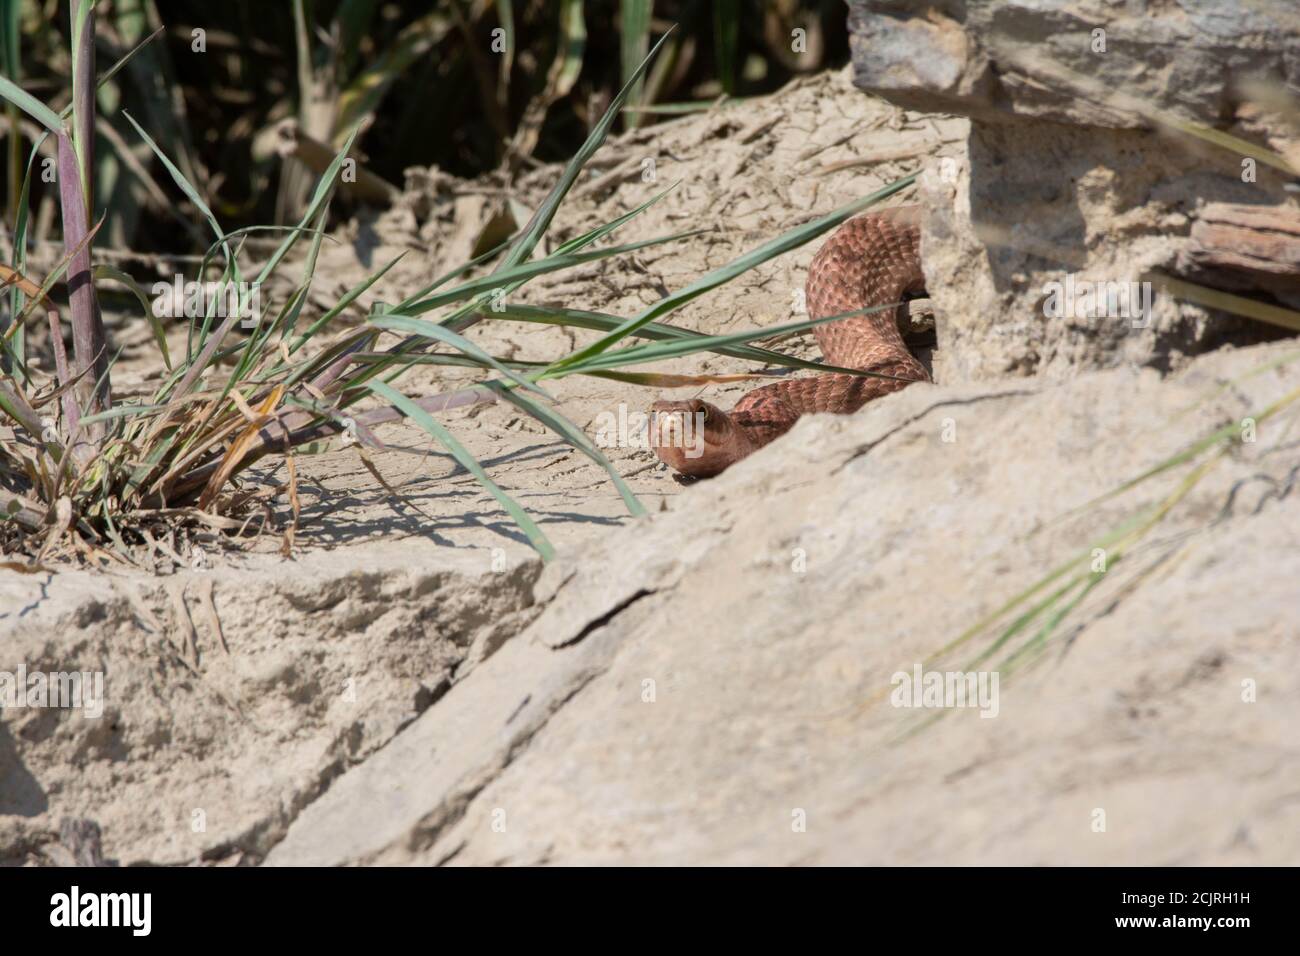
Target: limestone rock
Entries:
(715, 687)
(1066, 61)
(1080, 170)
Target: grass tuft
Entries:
(90, 473)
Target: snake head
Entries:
(695, 438)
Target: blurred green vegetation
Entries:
(466, 85)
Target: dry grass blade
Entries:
(240, 446)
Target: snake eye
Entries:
(704, 413)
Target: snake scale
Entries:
(871, 260)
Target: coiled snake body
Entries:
(871, 260)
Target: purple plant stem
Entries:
(71, 414)
(83, 95)
(89, 341)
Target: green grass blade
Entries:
(467, 461)
(324, 189)
(657, 351)
(402, 323)
(536, 227)
(113, 70)
(30, 105)
(1220, 436)
(770, 250)
(459, 318)
(529, 270)
(1009, 664)
(122, 411)
(18, 343)
(438, 283)
(155, 324)
(634, 36)
(83, 95)
(575, 436)
(348, 298)
(184, 184)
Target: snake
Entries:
(871, 260)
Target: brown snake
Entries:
(871, 260)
